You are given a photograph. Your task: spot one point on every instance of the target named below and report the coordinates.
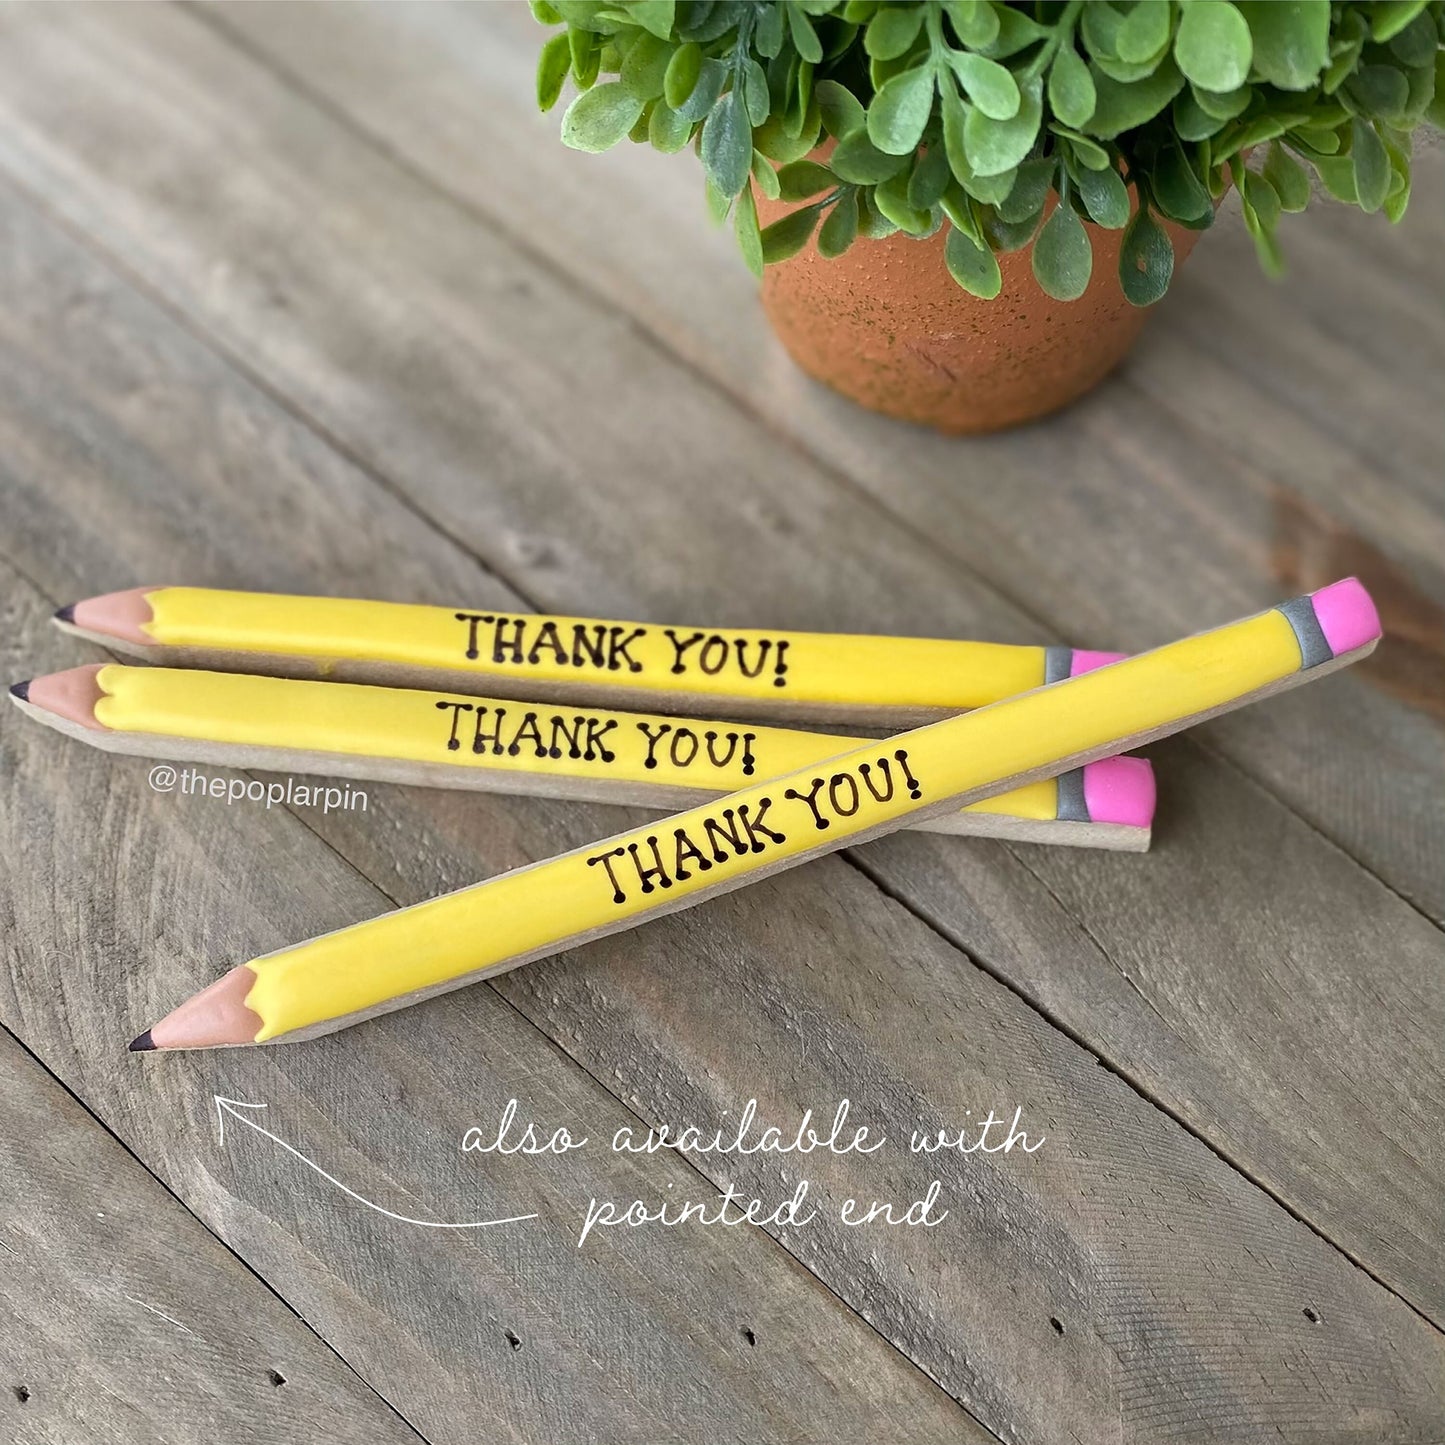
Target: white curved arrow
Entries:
(230, 1106)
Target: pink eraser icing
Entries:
(1120, 790)
(1347, 615)
(1086, 661)
(72, 694)
(114, 614)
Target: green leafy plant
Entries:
(977, 115)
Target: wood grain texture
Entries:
(433, 352)
(1155, 500)
(127, 444)
(122, 1318)
(724, 533)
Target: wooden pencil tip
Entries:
(66, 614)
(143, 1045)
(20, 691)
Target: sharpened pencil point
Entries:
(20, 690)
(143, 1045)
(66, 614)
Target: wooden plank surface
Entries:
(461, 374)
(1289, 1111)
(127, 445)
(122, 1318)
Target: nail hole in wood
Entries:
(276, 1378)
(1057, 1323)
(1311, 1316)
(748, 1335)
(513, 1340)
(21, 1393)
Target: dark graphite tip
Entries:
(20, 690)
(66, 614)
(143, 1045)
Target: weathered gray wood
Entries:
(577, 498)
(128, 446)
(1178, 1287)
(1174, 494)
(122, 1318)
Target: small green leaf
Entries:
(1191, 121)
(586, 57)
(974, 267)
(755, 92)
(667, 131)
(787, 236)
(899, 112)
(842, 114)
(1071, 88)
(653, 15)
(1177, 187)
(1261, 198)
(1124, 107)
(544, 13)
(712, 76)
(1146, 260)
(1291, 40)
(727, 145)
(645, 65)
(552, 67)
(992, 145)
(990, 86)
(805, 38)
(990, 190)
(1016, 31)
(1288, 178)
(871, 222)
(974, 22)
(1417, 43)
(1372, 166)
(1213, 46)
(1389, 17)
(804, 179)
(1223, 104)
(1144, 32)
(681, 75)
(858, 161)
(891, 198)
(1378, 90)
(892, 31)
(745, 228)
(768, 33)
(599, 118)
(929, 179)
(840, 229)
(1087, 152)
(765, 178)
(1105, 197)
(1030, 190)
(1063, 258)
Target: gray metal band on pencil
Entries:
(1072, 807)
(1058, 662)
(1300, 614)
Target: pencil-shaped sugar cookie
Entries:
(603, 888)
(402, 735)
(801, 676)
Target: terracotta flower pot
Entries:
(886, 325)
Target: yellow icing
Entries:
(418, 726)
(539, 908)
(809, 667)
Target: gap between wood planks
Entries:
(299, 86)
(548, 1042)
(265, 1284)
(194, 327)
